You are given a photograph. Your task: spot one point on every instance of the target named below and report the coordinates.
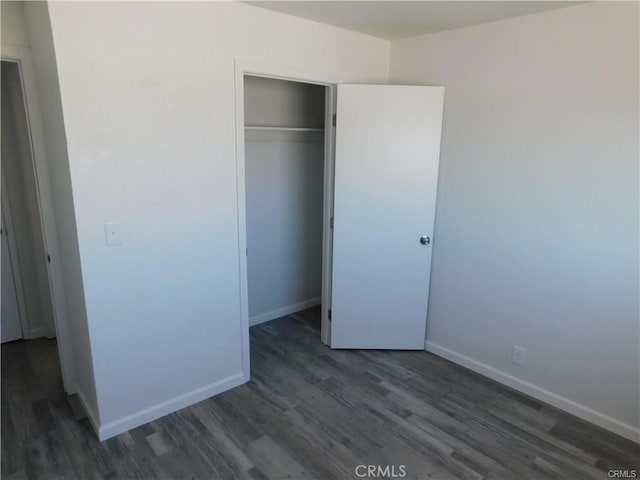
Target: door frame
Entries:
(22, 57)
(293, 74)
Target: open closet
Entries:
(341, 212)
(284, 184)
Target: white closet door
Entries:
(386, 171)
(10, 326)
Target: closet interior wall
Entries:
(284, 175)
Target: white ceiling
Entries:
(400, 19)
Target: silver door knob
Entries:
(425, 240)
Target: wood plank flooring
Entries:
(308, 413)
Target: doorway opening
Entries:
(285, 147)
(284, 152)
(30, 296)
(27, 308)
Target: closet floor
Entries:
(308, 412)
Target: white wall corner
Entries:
(91, 415)
(38, 332)
(281, 312)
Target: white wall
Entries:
(65, 268)
(14, 28)
(536, 238)
(284, 183)
(148, 99)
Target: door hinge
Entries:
(246, 252)
(48, 258)
(329, 314)
(334, 119)
(331, 222)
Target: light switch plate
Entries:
(114, 233)
(518, 355)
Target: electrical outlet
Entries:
(518, 355)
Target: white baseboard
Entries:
(37, 332)
(71, 388)
(91, 415)
(281, 312)
(154, 412)
(586, 413)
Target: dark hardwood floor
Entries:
(308, 412)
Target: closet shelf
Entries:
(284, 129)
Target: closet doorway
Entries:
(379, 182)
(285, 174)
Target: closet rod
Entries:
(285, 129)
